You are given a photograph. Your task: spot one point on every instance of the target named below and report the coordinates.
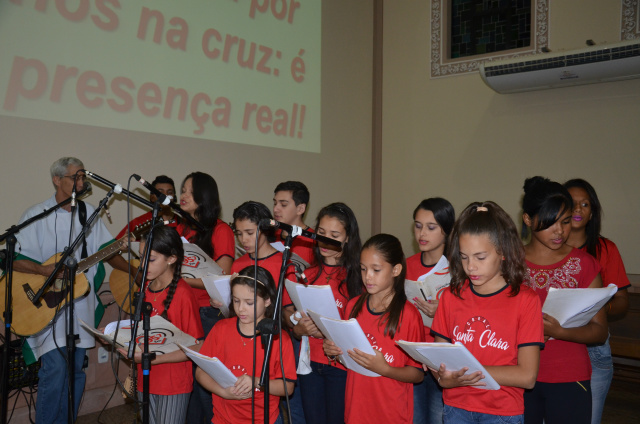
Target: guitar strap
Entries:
(82, 216)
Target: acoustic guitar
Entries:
(29, 319)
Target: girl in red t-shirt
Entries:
(385, 316)
(433, 221)
(585, 235)
(563, 391)
(489, 310)
(199, 198)
(170, 378)
(233, 342)
(256, 242)
(323, 389)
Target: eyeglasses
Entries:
(80, 177)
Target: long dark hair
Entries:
(545, 200)
(350, 257)
(594, 226)
(390, 248)
(495, 223)
(206, 196)
(443, 212)
(166, 241)
(266, 290)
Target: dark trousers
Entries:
(323, 393)
(558, 403)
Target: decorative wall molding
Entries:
(443, 66)
(630, 20)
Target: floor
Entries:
(622, 406)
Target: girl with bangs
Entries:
(563, 388)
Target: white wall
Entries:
(456, 138)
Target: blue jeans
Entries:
(454, 415)
(323, 393)
(53, 386)
(427, 401)
(601, 376)
(295, 400)
(200, 409)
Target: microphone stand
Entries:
(144, 201)
(8, 318)
(143, 312)
(10, 237)
(71, 264)
(268, 328)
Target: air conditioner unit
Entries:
(613, 62)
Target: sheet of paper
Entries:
(430, 287)
(453, 356)
(197, 264)
(212, 366)
(443, 263)
(219, 289)
(163, 335)
(575, 307)
(347, 335)
(317, 298)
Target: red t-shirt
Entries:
(272, 263)
(332, 276)
(416, 269)
(235, 350)
(142, 219)
(383, 399)
(301, 246)
(562, 361)
(612, 271)
(174, 378)
(492, 327)
(223, 243)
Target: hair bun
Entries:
(532, 182)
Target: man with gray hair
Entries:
(36, 244)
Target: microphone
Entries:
(117, 188)
(162, 198)
(86, 187)
(73, 195)
(73, 192)
(295, 231)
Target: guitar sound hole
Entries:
(56, 294)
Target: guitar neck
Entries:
(114, 248)
(100, 255)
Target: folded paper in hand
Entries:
(163, 335)
(196, 263)
(317, 298)
(575, 307)
(453, 356)
(212, 366)
(219, 289)
(347, 335)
